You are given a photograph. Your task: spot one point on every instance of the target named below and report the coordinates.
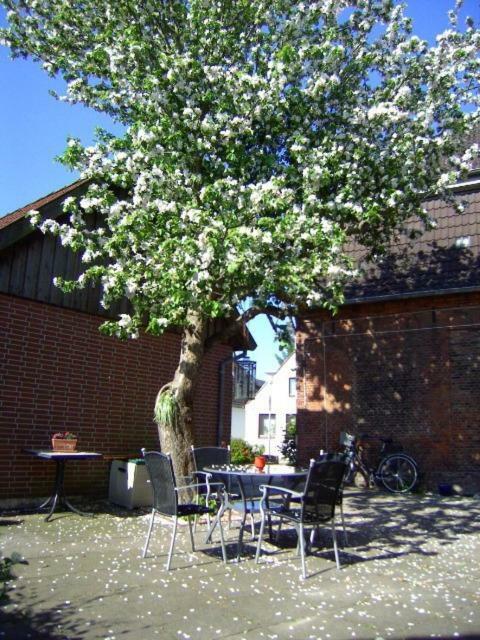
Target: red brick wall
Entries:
(57, 372)
(409, 370)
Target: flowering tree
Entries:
(261, 137)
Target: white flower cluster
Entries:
(261, 138)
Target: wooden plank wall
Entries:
(28, 267)
(30, 260)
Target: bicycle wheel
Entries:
(398, 473)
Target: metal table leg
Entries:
(58, 496)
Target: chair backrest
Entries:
(160, 469)
(208, 456)
(339, 457)
(322, 487)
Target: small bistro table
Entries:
(248, 480)
(61, 458)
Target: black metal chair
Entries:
(243, 499)
(330, 456)
(342, 458)
(315, 504)
(166, 499)
(207, 457)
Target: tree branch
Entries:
(235, 325)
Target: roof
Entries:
(12, 217)
(445, 258)
(289, 360)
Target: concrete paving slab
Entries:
(410, 571)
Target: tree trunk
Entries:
(178, 438)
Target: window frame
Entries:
(273, 419)
(294, 381)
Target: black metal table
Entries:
(248, 480)
(58, 496)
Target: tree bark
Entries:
(178, 438)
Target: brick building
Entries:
(59, 373)
(402, 356)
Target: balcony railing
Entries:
(244, 374)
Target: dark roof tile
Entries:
(443, 258)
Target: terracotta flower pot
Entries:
(62, 444)
(260, 462)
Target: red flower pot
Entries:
(260, 462)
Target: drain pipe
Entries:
(221, 393)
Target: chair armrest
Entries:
(203, 473)
(266, 488)
(197, 484)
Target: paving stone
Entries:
(410, 571)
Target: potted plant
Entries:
(241, 452)
(64, 441)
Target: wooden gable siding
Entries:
(29, 261)
(28, 267)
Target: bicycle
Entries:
(397, 472)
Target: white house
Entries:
(274, 404)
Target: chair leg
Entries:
(195, 518)
(191, 533)
(302, 550)
(260, 537)
(335, 547)
(217, 520)
(150, 527)
(345, 539)
(222, 542)
(252, 526)
(240, 537)
(207, 502)
(279, 529)
(172, 543)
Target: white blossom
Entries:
(245, 170)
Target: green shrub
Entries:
(241, 452)
(288, 448)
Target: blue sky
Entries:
(34, 127)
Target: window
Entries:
(263, 424)
(292, 387)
